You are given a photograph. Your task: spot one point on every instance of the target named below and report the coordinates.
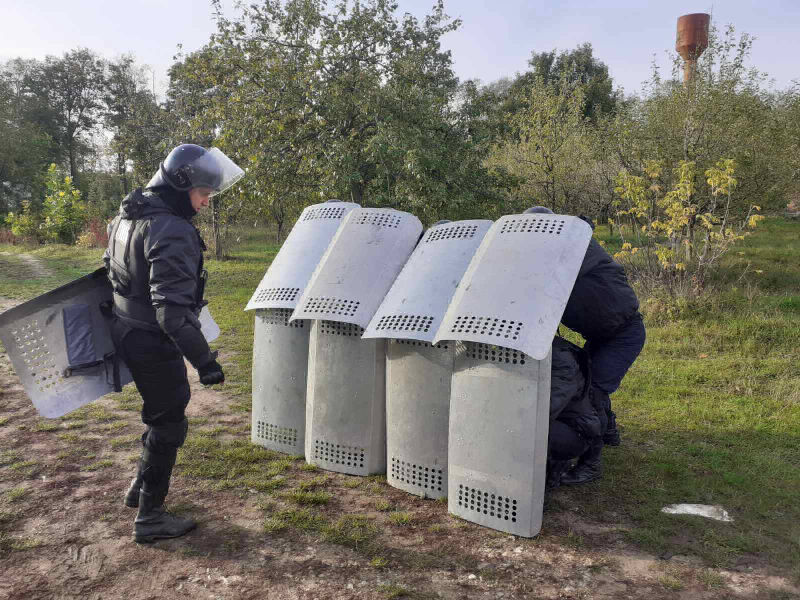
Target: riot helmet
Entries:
(538, 210)
(191, 166)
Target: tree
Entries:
(348, 101)
(63, 212)
(551, 156)
(69, 93)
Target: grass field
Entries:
(710, 412)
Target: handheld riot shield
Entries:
(290, 271)
(418, 373)
(60, 345)
(518, 283)
(504, 315)
(61, 348)
(280, 348)
(345, 414)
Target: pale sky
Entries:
(495, 39)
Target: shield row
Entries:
(378, 349)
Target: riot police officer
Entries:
(155, 264)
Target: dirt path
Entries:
(35, 267)
(64, 532)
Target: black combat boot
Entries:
(589, 466)
(153, 521)
(132, 495)
(611, 436)
(555, 469)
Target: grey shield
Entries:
(280, 362)
(417, 413)
(60, 345)
(345, 407)
(290, 271)
(499, 422)
(359, 266)
(418, 299)
(518, 283)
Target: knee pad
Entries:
(166, 438)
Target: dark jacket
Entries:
(602, 301)
(154, 261)
(570, 383)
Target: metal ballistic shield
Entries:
(280, 364)
(346, 408)
(359, 266)
(516, 288)
(60, 345)
(291, 270)
(61, 348)
(499, 423)
(419, 297)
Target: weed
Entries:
(710, 579)
(18, 493)
(127, 440)
(101, 464)
(401, 518)
(392, 590)
(8, 457)
(353, 531)
(43, 425)
(72, 438)
(670, 582)
(308, 498)
(352, 482)
(3, 420)
(115, 426)
(27, 468)
(313, 484)
(379, 562)
(383, 505)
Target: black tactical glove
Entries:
(211, 373)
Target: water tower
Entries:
(692, 40)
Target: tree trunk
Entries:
(356, 192)
(216, 227)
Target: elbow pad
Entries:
(183, 328)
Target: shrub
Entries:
(94, 235)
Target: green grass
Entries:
(710, 414)
(64, 263)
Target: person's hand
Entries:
(211, 373)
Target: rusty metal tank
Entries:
(692, 39)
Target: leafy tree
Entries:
(68, 94)
(348, 101)
(551, 155)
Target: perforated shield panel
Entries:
(33, 336)
(358, 268)
(291, 269)
(517, 286)
(418, 299)
(280, 364)
(346, 400)
(417, 413)
(499, 423)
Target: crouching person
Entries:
(575, 422)
(155, 264)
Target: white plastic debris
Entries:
(702, 510)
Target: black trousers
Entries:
(564, 442)
(159, 373)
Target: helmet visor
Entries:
(227, 172)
